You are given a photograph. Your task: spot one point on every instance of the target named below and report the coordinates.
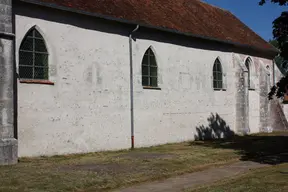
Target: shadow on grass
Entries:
(262, 148)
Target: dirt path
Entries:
(193, 180)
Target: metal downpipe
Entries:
(131, 85)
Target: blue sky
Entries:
(258, 18)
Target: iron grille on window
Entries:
(33, 57)
(149, 69)
(217, 75)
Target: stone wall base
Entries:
(8, 151)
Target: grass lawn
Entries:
(272, 179)
(104, 171)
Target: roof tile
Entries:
(188, 16)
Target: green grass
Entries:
(104, 171)
(57, 173)
(272, 179)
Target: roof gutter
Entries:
(63, 8)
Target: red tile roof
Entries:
(187, 16)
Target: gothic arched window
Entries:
(149, 69)
(248, 63)
(217, 75)
(33, 56)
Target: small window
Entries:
(217, 75)
(149, 69)
(33, 57)
(248, 66)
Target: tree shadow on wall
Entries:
(217, 129)
(268, 148)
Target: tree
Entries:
(280, 2)
(274, 43)
(279, 61)
(280, 34)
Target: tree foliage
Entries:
(280, 34)
(280, 2)
(279, 61)
(274, 43)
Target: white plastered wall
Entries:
(88, 108)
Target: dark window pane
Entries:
(145, 60)
(40, 73)
(37, 34)
(145, 70)
(26, 72)
(215, 84)
(153, 71)
(218, 76)
(153, 61)
(30, 33)
(25, 58)
(153, 82)
(27, 44)
(218, 68)
(145, 81)
(247, 65)
(41, 59)
(40, 45)
(214, 68)
(215, 75)
(149, 52)
(219, 84)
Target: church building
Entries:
(115, 74)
